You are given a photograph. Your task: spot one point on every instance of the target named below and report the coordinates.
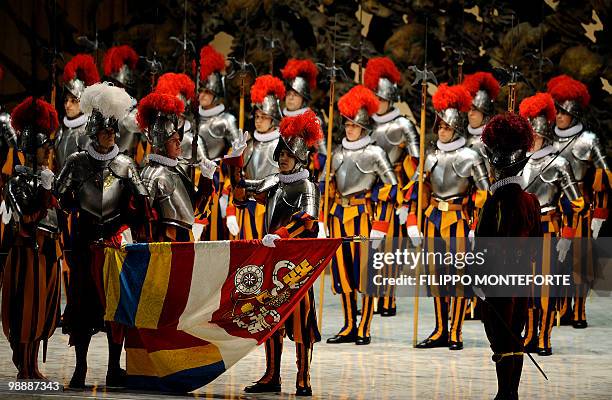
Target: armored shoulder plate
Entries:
(8, 137)
(128, 130)
(124, 167)
(286, 199)
(259, 159)
(392, 134)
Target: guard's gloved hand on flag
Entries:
(376, 237)
(596, 224)
(472, 238)
(415, 235)
(402, 213)
(563, 246)
(232, 225)
(269, 239)
(223, 202)
(322, 234)
(5, 213)
(46, 178)
(208, 168)
(238, 145)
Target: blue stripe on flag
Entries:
(183, 381)
(132, 278)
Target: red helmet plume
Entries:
(304, 68)
(210, 61)
(36, 114)
(357, 98)
(456, 96)
(380, 67)
(306, 125)
(265, 85)
(539, 104)
(482, 81)
(176, 84)
(508, 132)
(82, 67)
(155, 103)
(563, 88)
(118, 56)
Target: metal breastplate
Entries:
(128, 130)
(390, 135)
(284, 200)
(449, 172)
(70, 141)
(217, 133)
(259, 159)
(583, 152)
(546, 191)
(356, 171)
(474, 143)
(167, 190)
(186, 146)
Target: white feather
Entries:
(109, 100)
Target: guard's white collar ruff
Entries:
(569, 132)
(357, 144)
(294, 177)
(102, 156)
(390, 116)
(454, 145)
(266, 137)
(211, 112)
(75, 122)
(163, 160)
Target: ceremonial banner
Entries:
(200, 307)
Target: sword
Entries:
(423, 77)
(478, 291)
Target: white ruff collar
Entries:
(163, 160)
(75, 122)
(543, 152)
(357, 144)
(390, 116)
(569, 132)
(294, 177)
(266, 137)
(102, 156)
(506, 181)
(454, 145)
(211, 112)
(475, 131)
(294, 113)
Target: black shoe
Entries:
(116, 378)
(303, 392)
(388, 312)
(545, 352)
(431, 343)
(337, 339)
(263, 388)
(78, 379)
(579, 324)
(361, 340)
(566, 319)
(531, 347)
(455, 345)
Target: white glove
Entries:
(269, 239)
(403, 214)
(238, 145)
(223, 201)
(126, 237)
(197, 230)
(208, 168)
(232, 225)
(5, 213)
(415, 235)
(377, 237)
(563, 246)
(322, 231)
(46, 178)
(472, 238)
(596, 226)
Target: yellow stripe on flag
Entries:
(113, 263)
(166, 362)
(155, 286)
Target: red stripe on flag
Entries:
(161, 339)
(183, 255)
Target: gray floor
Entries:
(389, 368)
